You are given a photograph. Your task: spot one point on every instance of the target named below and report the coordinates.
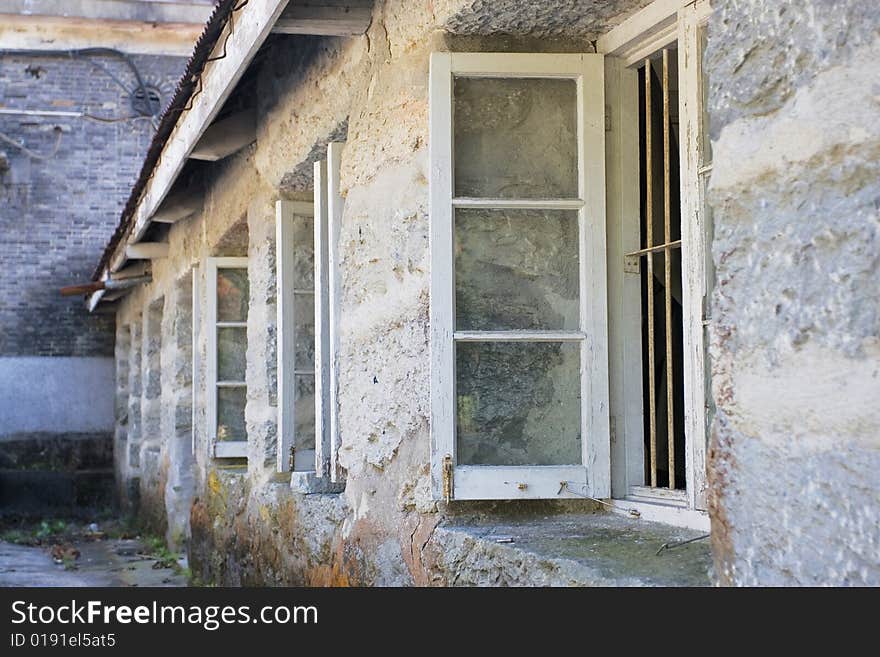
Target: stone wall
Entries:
(247, 525)
(796, 313)
(795, 303)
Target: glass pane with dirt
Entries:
(515, 137)
(518, 403)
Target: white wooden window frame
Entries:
(626, 47)
(322, 323)
(226, 448)
(326, 210)
(335, 205)
(287, 214)
(196, 353)
(592, 476)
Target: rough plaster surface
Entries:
(55, 395)
(796, 316)
(807, 314)
(540, 17)
(247, 525)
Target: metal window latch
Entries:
(447, 478)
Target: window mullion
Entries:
(518, 203)
(518, 336)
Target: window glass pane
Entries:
(515, 137)
(518, 403)
(232, 295)
(231, 353)
(230, 413)
(304, 330)
(304, 253)
(516, 269)
(304, 411)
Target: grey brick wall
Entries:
(56, 215)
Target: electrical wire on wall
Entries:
(145, 100)
(33, 154)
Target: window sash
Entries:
(230, 448)
(326, 211)
(322, 323)
(287, 214)
(196, 353)
(694, 249)
(626, 46)
(335, 204)
(592, 476)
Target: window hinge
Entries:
(631, 264)
(607, 118)
(447, 478)
(292, 458)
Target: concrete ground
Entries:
(110, 562)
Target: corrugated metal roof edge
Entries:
(183, 93)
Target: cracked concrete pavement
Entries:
(113, 562)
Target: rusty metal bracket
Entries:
(447, 478)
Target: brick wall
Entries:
(56, 215)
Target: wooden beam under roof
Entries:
(178, 206)
(147, 250)
(225, 137)
(349, 18)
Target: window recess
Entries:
(306, 257)
(659, 263)
(228, 297)
(518, 293)
(296, 287)
(662, 309)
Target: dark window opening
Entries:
(661, 272)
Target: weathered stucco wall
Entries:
(795, 449)
(246, 524)
(800, 471)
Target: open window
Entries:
(518, 289)
(536, 391)
(296, 286)
(659, 265)
(228, 298)
(306, 260)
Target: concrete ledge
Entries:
(309, 483)
(569, 550)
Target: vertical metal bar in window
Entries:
(649, 231)
(667, 274)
